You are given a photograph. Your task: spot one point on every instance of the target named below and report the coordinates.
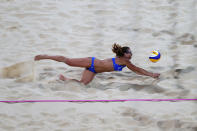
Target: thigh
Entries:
(80, 62)
(87, 76)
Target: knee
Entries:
(84, 82)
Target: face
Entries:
(128, 54)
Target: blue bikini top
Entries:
(116, 66)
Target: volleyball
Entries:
(155, 56)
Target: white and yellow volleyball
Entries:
(155, 56)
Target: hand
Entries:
(155, 75)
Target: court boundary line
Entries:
(98, 100)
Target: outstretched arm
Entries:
(56, 58)
(141, 71)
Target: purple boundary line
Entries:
(118, 100)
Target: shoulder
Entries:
(129, 64)
(126, 62)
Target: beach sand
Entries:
(86, 28)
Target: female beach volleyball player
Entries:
(93, 65)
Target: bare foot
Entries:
(38, 57)
(63, 78)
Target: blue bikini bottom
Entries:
(91, 68)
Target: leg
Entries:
(86, 78)
(61, 77)
(79, 62)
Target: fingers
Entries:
(156, 75)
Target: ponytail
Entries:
(117, 49)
